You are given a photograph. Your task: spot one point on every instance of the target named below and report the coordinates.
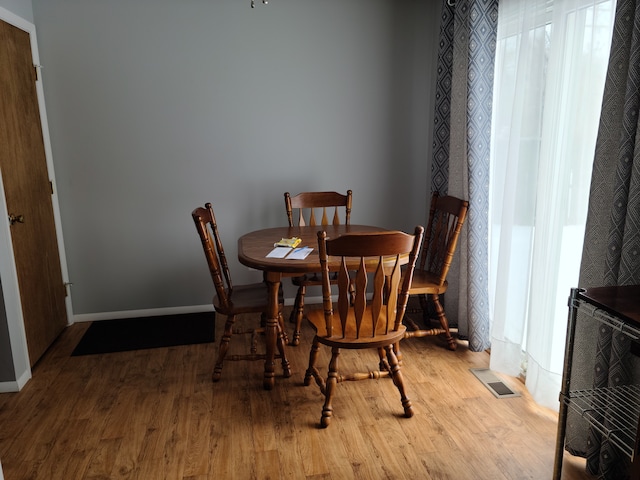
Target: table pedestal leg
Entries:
(271, 329)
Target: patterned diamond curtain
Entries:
(461, 152)
(611, 254)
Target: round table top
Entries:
(254, 247)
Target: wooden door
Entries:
(28, 193)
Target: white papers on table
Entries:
(279, 252)
(296, 253)
(300, 253)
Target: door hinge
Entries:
(51, 186)
(67, 287)
(37, 69)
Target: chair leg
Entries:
(283, 330)
(332, 381)
(444, 323)
(398, 352)
(424, 306)
(224, 346)
(352, 293)
(313, 356)
(382, 354)
(383, 365)
(214, 325)
(297, 313)
(396, 375)
(286, 368)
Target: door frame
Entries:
(8, 273)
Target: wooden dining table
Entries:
(253, 249)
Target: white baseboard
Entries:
(9, 387)
(15, 385)
(152, 312)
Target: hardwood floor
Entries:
(155, 414)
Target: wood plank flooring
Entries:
(155, 414)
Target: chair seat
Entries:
(317, 320)
(307, 279)
(250, 298)
(312, 279)
(426, 283)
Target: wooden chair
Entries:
(373, 317)
(446, 217)
(312, 208)
(232, 300)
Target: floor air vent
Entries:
(493, 383)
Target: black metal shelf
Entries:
(613, 411)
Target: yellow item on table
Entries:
(288, 242)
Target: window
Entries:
(551, 61)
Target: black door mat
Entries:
(121, 335)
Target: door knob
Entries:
(15, 218)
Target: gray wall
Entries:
(157, 106)
(22, 8)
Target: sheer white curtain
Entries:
(551, 62)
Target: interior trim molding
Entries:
(149, 312)
(15, 385)
(152, 312)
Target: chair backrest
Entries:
(446, 217)
(207, 229)
(373, 286)
(309, 204)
